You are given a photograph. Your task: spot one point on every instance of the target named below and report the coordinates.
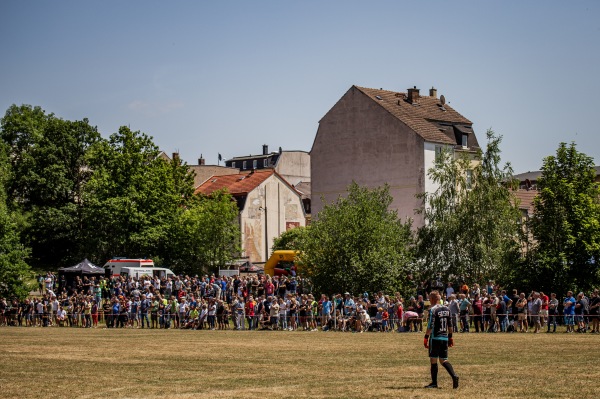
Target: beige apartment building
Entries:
(376, 136)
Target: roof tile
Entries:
(238, 184)
(422, 117)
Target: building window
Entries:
(244, 165)
(254, 164)
(465, 140)
(469, 179)
(265, 163)
(233, 164)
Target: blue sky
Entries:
(228, 76)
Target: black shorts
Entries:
(438, 348)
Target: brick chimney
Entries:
(413, 95)
(265, 149)
(201, 160)
(433, 92)
(175, 155)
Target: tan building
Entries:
(376, 137)
(293, 166)
(203, 172)
(268, 206)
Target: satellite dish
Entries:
(443, 99)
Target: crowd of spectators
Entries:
(285, 303)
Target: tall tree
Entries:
(14, 271)
(358, 244)
(133, 197)
(206, 235)
(566, 222)
(472, 228)
(22, 130)
(291, 239)
(49, 170)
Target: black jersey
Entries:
(439, 322)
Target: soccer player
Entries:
(438, 338)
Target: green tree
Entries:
(566, 223)
(133, 197)
(357, 244)
(291, 239)
(472, 221)
(206, 235)
(49, 170)
(14, 271)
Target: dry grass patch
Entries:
(78, 363)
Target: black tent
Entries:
(83, 268)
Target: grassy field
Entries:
(116, 363)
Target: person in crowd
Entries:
(544, 310)
(535, 307)
(581, 311)
(363, 322)
(477, 307)
(410, 321)
(145, 305)
(454, 307)
(94, 312)
(501, 314)
(238, 309)
(273, 313)
(420, 309)
(569, 312)
(449, 291)
(212, 313)
(522, 313)
(399, 313)
(464, 305)
(293, 312)
(61, 316)
(595, 312)
(552, 312)
(250, 310)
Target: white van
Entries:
(135, 268)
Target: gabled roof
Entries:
(423, 118)
(239, 184)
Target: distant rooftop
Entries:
(535, 175)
